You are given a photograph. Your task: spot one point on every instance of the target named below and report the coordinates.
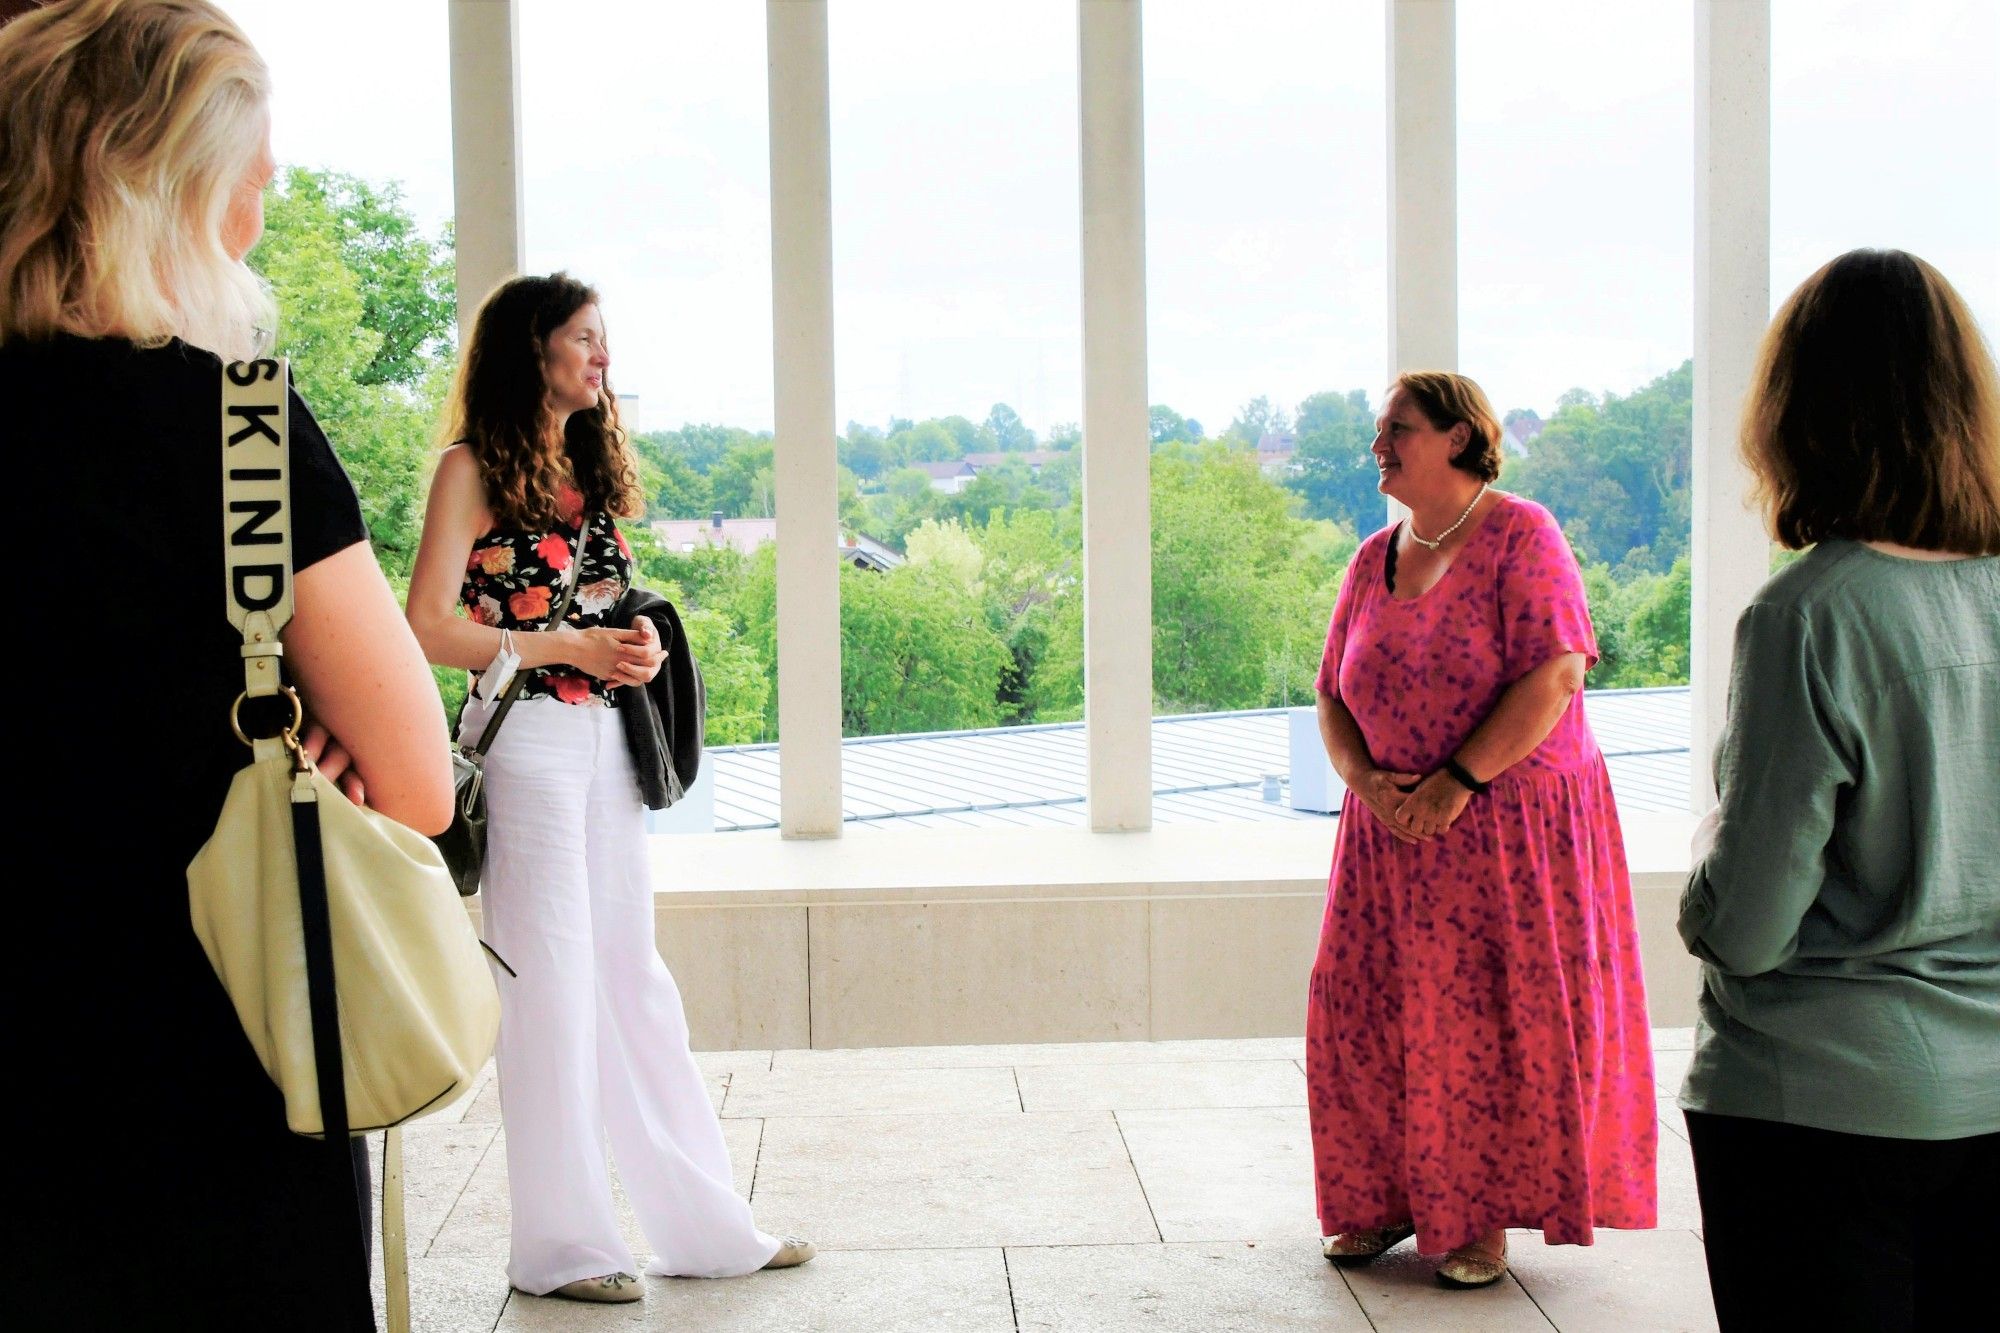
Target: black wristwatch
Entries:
(1465, 779)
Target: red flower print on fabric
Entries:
(514, 577)
(554, 552)
(530, 603)
(570, 689)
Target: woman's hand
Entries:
(1434, 806)
(605, 652)
(1384, 793)
(333, 762)
(643, 671)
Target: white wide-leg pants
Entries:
(593, 1040)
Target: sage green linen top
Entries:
(1848, 914)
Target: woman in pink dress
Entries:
(1477, 1050)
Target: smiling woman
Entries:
(1477, 1043)
(523, 571)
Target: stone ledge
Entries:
(1016, 865)
(1044, 935)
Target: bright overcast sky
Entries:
(955, 183)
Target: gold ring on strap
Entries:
(290, 734)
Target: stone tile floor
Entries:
(1099, 1187)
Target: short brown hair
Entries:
(1874, 413)
(1446, 400)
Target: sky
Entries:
(956, 254)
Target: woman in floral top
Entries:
(593, 1041)
(514, 579)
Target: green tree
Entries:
(1168, 426)
(1007, 430)
(1336, 473)
(673, 488)
(1032, 576)
(363, 320)
(702, 445)
(967, 438)
(1006, 486)
(406, 280)
(1063, 436)
(1616, 472)
(1224, 578)
(917, 653)
(737, 677)
(1257, 419)
(924, 442)
(740, 484)
(864, 451)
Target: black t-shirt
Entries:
(125, 669)
(123, 561)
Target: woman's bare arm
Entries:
(1378, 789)
(363, 678)
(1527, 712)
(1341, 735)
(455, 518)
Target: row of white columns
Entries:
(1732, 298)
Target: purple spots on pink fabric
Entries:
(1477, 1047)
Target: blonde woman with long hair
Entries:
(134, 152)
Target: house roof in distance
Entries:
(1207, 768)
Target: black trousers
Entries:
(1810, 1229)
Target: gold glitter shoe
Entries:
(1351, 1249)
(1468, 1266)
(610, 1289)
(791, 1253)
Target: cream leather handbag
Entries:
(295, 870)
(337, 932)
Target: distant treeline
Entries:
(983, 624)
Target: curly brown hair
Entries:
(500, 409)
(1447, 399)
(1874, 413)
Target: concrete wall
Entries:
(1202, 933)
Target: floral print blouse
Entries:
(514, 579)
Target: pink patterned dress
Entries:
(1477, 1049)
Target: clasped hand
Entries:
(620, 656)
(1414, 808)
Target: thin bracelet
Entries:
(1465, 779)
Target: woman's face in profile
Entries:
(1413, 456)
(244, 222)
(574, 361)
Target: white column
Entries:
(802, 348)
(1732, 305)
(1117, 444)
(485, 150)
(1423, 185)
(1423, 188)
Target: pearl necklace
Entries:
(1432, 546)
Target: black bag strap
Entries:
(257, 567)
(318, 923)
(513, 690)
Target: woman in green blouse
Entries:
(1844, 1098)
